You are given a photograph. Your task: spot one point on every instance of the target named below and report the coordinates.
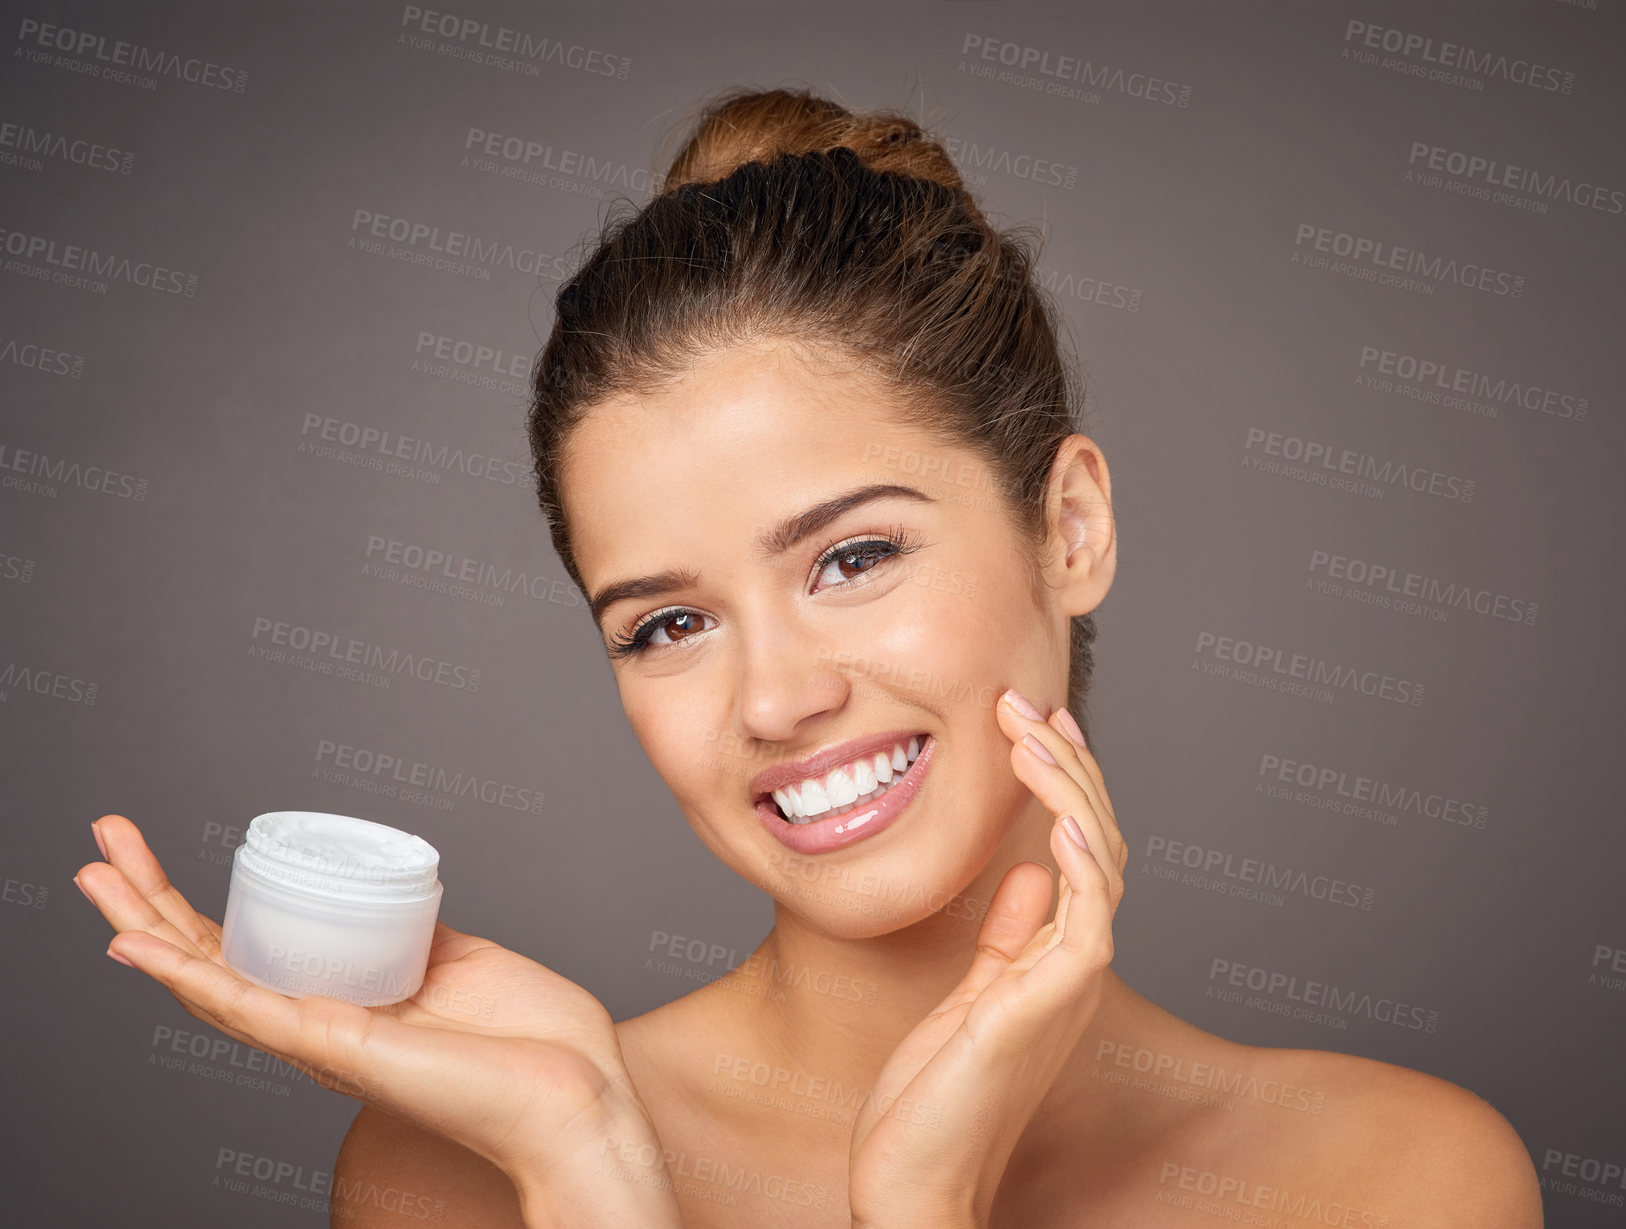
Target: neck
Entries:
(833, 1008)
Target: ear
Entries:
(1081, 528)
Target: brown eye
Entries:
(867, 557)
(688, 618)
(860, 557)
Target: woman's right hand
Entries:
(494, 1051)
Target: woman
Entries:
(804, 435)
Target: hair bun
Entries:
(751, 125)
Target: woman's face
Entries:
(767, 652)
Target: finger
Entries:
(125, 908)
(127, 849)
(1061, 795)
(1062, 720)
(1069, 755)
(1069, 766)
(1015, 914)
(323, 1037)
(1086, 930)
(1081, 765)
(1080, 945)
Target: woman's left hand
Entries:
(931, 1143)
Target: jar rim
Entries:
(340, 855)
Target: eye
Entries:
(860, 556)
(854, 558)
(638, 640)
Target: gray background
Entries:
(135, 678)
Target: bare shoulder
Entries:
(1416, 1148)
(387, 1168)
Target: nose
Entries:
(787, 676)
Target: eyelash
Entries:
(900, 539)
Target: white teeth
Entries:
(841, 789)
(814, 800)
(883, 767)
(848, 786)
(863, 777)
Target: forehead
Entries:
(744, 437)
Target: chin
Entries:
(914, 877)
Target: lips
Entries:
(789, 772)
(832, 832)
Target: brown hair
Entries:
(787, 215)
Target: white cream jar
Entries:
(328, 904)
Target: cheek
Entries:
(945, 625)
(681, 746)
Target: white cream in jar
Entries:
(329, 904)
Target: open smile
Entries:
(857, 798)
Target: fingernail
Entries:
(1023, 705)
(1070, 826)
(119, 958)
(81, 887)
(97, 833)
(1038, 749)
(1073, 732)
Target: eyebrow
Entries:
(776, 541)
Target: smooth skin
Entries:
(993, 1043)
